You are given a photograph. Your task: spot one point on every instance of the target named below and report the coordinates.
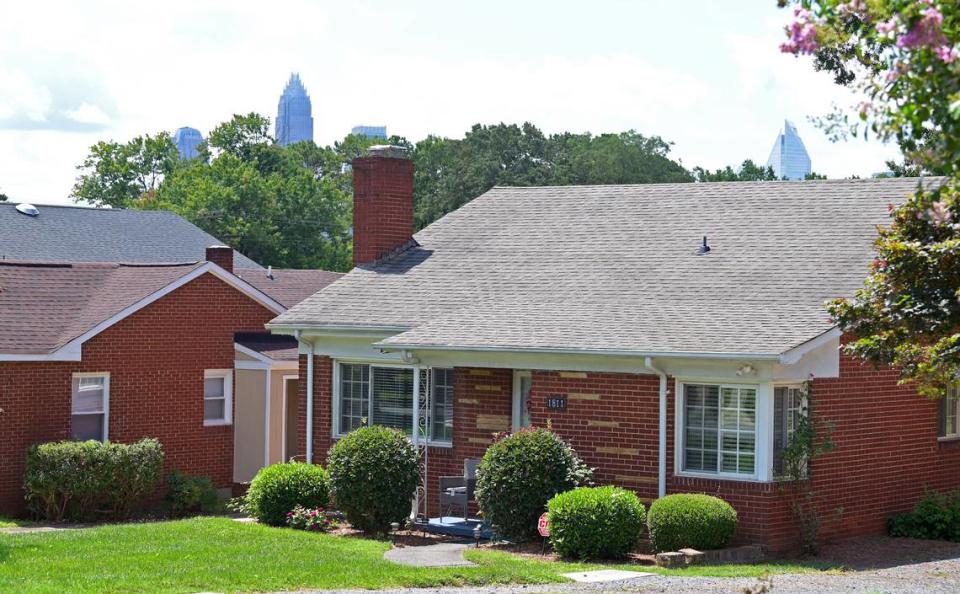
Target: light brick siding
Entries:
(156, 358)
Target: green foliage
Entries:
(903, 56)
(519, 474)
(313, 520)
(190, 494)
(75, 479)
(3, 197)
(374, 472)
(936, 516)
(595, 522)
(279, 488)
(748, 171)
(693, 521)
(121, 174)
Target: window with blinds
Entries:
(720, 427)
(949, 418)
(375, 395)
(89, 404)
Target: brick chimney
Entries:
(222, 256)
(382, 203)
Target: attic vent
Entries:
(28, 209)
(703, 249)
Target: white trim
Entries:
(388, 346)
(284, 454)
(518, 376)
(759, 475)
(794, 355)
(266, 416)
(252, 353)
(106, 399)
(319, 330)
(227, 375)
(72, 348)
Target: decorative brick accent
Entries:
(156, 358)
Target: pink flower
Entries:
(947, 54)
(887, 27)
(939, 214)
(864, 108)
(802, 33)
(926, 32)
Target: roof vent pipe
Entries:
(703, 249)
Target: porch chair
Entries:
(457, 491)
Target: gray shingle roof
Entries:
(79, 234)
(614, 268)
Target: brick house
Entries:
(665, 330)
(144, 348)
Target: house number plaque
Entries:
(556, 402)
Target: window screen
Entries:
(89, 408)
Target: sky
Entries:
(702, 74)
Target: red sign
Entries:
(543, 525)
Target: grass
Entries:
(12, 523)
(217, 554)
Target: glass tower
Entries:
(294, 113)
(789, 157)
(187, 139)
(370, 131)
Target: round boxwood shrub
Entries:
(374, 472)
(279, 488)
(519, 474)
(692, 521)
(595, 522)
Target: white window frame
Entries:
(803, 410)
(335, 392)
(955, 394)
(106, 400)
(517, 416)
(227, 375)
(763, 438)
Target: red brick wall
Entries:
(156, 359)
(382, 206)
(885, 436)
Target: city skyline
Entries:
(789, 157)
(294, 121)
(187, 139)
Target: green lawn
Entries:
(217, 554)
(11, 523)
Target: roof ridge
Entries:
(82, 264)
(729, 183)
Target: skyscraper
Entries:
(294, 113)
(789, 157)
(187, 139)
(370, 131)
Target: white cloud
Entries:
(87, 113)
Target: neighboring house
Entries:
(143, 348)
(670, 368)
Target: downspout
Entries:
(309, 399)
(662, 462)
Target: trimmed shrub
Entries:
(936, 516)
(279, 488)
(191, 494)
(688, 520)
(596, 522)
(374, 472)
(519, 474)
(72, 480)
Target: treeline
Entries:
(291, 206)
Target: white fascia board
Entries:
(61, 354)
(568, 351)
(252, 353)
(796, 353)
(321, 331)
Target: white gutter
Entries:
(393, 347)
(662, 461)
(309, 398)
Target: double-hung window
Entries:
(90, 406)
(949, 427)
(217, 396)
(719, 429)
(383, 395)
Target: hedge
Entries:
(596, 522)
(692, 521)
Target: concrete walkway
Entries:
(439, 555)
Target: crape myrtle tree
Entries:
(903, 58)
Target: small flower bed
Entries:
(313, 520)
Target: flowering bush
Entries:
(901, 58)
(304, 518)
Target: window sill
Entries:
(216, 423)
(949, 439)
(722, 477)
